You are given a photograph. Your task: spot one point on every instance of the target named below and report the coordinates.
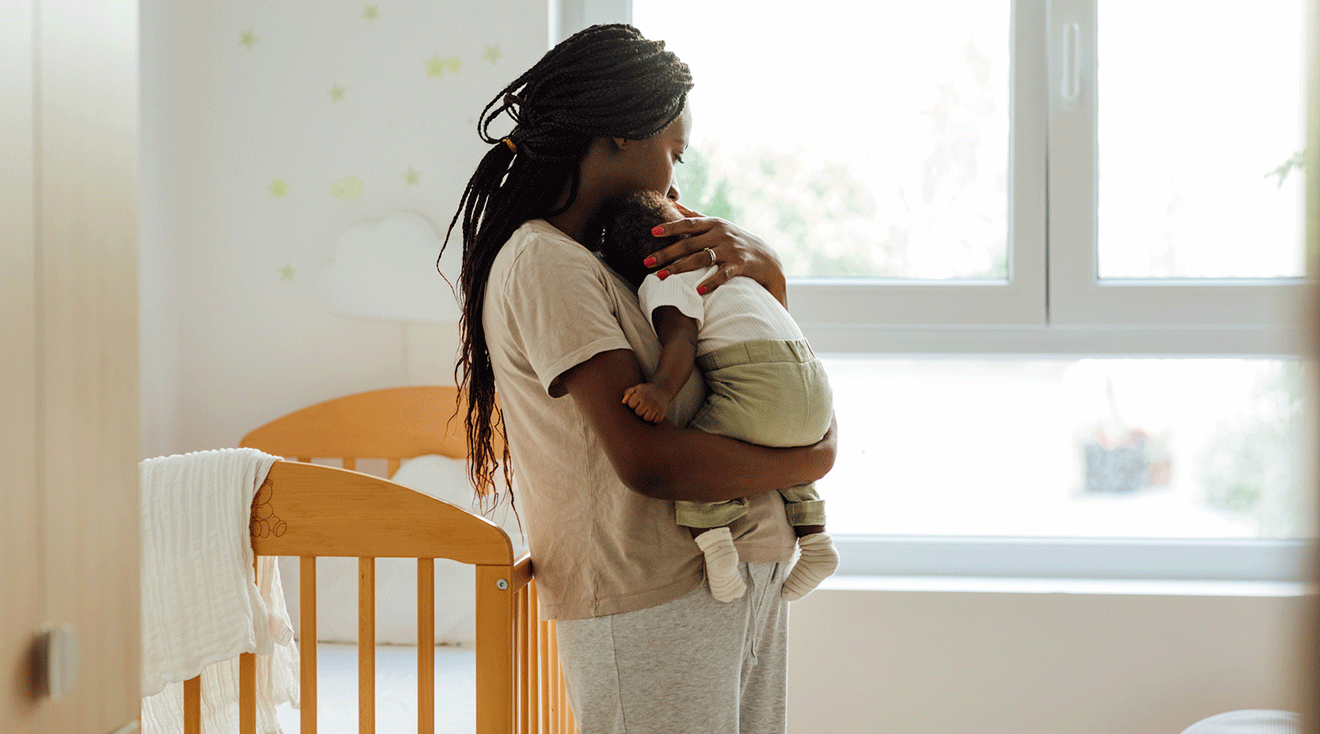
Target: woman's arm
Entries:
(737, 252)
(671, 463)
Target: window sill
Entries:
(1048, 563)
(1099, 587)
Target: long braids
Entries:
(604, 81)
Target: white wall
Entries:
(1013, 662)
(227, 344)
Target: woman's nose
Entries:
(673, 192)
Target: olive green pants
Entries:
(772, 393)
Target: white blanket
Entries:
(200, 605)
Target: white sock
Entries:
(817, 560)
(726, 583)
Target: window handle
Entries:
(1071, 88)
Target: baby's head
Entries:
(625, 224)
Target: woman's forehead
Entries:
(680, 128)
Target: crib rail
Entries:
(307, 511)
(399, 421)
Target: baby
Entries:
(765, 385)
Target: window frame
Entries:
(862, 315)
(1078, 296)
(1053, 303)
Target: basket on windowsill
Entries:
(1128, 463)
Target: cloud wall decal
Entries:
(385, 269)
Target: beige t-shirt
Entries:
(597, 547)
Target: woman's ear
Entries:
(620, 143)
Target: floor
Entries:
(396, 691)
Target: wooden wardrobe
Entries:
(69, 365)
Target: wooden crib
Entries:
(309, 510)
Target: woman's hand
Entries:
(736, 252)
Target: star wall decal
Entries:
(492, 53)
(286, 272)
(436, 66)
(249, 39)
(412, 178)
(347, 189)
(278, 188)
(371, 13)
(336, 93)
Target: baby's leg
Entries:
(803, 531)
(817, 558)
(708, 523)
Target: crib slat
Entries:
(247, 693)
(247, 677)
(192, 705)
(366, 646)
(391, 466)
(534, 645)
(556, 682)
(495, 656)
(305, 459)
(426, 646)
(543, 667)
(520, 625)
(307, 643)
(527, 670)
(350, 464)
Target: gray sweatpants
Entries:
(693, 665)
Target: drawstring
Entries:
(753, 629)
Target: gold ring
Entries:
(712, 255)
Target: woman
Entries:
(644, 646)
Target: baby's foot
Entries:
(726, 583)
(648, 401)
(816, 561)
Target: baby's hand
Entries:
(648, 401)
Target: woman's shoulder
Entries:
(539, 251)
(542, 238)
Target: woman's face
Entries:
(649, 163)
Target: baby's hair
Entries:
(625, 224)
(605, 81)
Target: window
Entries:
(1111, 447)
(1199, 150)
(1174, 196)
(1073, 215)
(875, 142)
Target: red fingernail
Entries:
(658, 230)
(648, 262)
(701, 290)
(662, 274)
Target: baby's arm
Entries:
(678, 353)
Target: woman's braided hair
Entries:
(605, 81)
